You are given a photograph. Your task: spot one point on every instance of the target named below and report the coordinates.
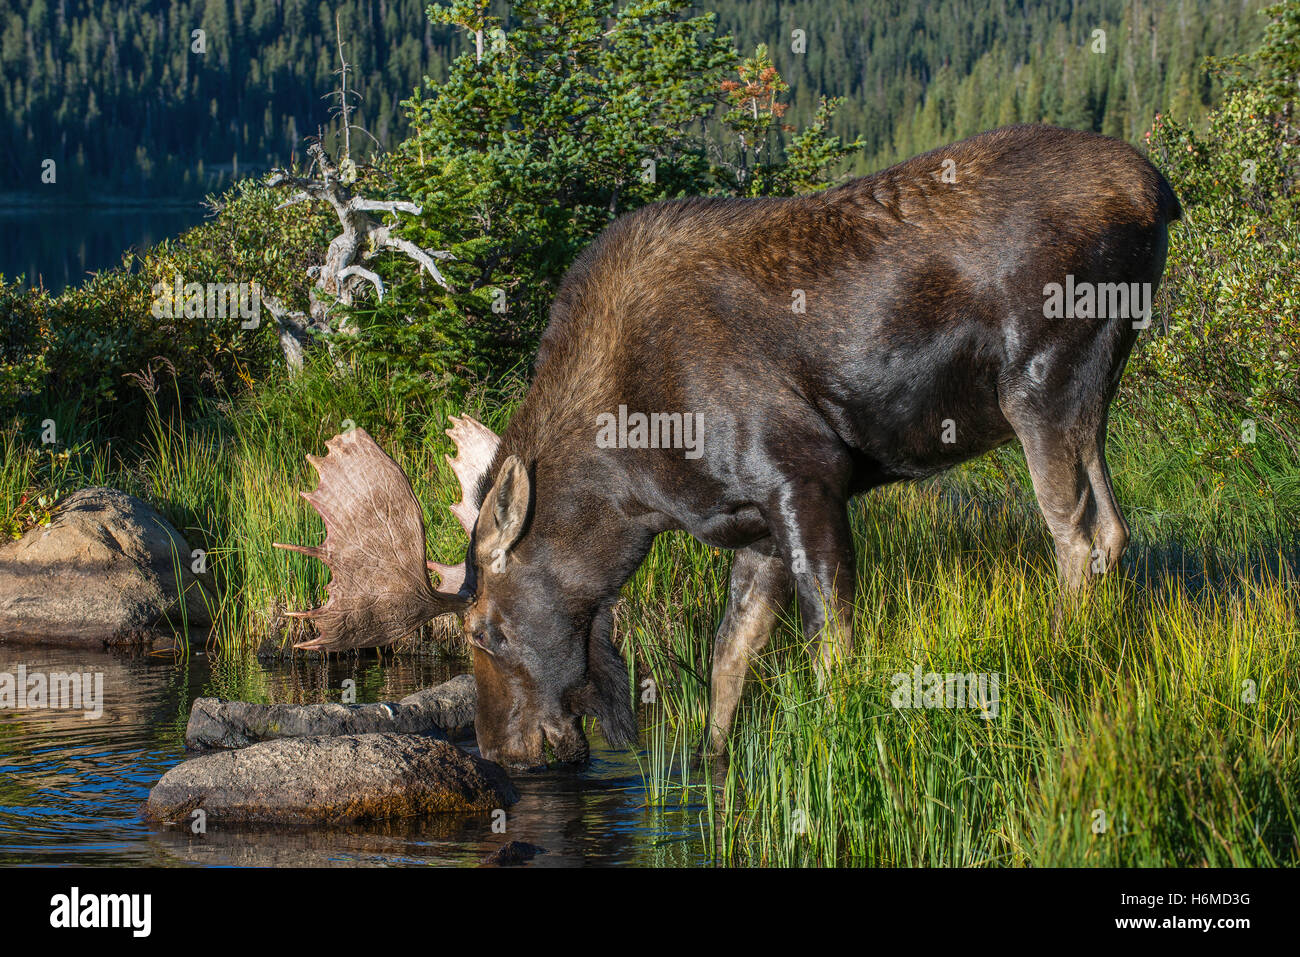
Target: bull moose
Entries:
(884, 329)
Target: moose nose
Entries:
(568, 743)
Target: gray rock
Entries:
(453, 702)
(330, 780)
(512, 854)
(445, 709)
(103, 571)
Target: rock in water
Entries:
(105, 569)
(512, 854)
(330, 780)
(447, 708)
(455, 702)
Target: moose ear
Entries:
(504, 513)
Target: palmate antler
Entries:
(379, 588)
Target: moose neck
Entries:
(579, 518)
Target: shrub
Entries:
(1219, 373)
(78, 357)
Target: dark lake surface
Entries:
(57, 244)
(71, 788)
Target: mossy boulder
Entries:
(108, 569)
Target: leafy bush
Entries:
(583, 111)
(78, 357)
(64, 356)
(1220, 371)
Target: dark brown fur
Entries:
(924, 303)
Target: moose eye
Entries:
(489, 638)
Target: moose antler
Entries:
(476, 447)
(379, 588)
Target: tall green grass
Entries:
(1152, 724)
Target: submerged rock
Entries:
(445, 709)
(454, 702)
(107, 569)
(512, 854)
(330, 780)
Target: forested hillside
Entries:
(917, 74)
(116, 90)
(118, 94)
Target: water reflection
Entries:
(71, 789)
(88, 238)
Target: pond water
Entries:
(71, 789)
(58, 244)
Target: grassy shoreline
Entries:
(1132, 705)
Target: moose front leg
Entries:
(759, 589)
(810, 524)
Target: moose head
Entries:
(537, 621)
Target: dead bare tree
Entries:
(362, 237)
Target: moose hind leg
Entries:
(1066, 499)
(1110, 534)
(810, 524)
(759, 589)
